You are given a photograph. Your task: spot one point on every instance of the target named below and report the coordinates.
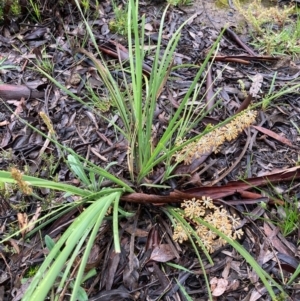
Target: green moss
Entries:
(9, 8)
(32, 271)
(15, 8)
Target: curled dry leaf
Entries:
(162, 253)
(15, 245)
(137, 232)
(113, 262)
(25, 225)
(131, 274)
(148, 27)
(23, 222)
(3, 123)
(218, 286)
(19, 107)
(257, 81)
(234, 285)
(256, 294)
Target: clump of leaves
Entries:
(284, 41)
(35, 9)
(258, 15)
(103, 105)
(119, 24)
(9, 8)
(31, 271)
(288, 216)
(85, 5)
(274, 32)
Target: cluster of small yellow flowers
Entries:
(180, 234)
(48, 122)
(24, 187)
(193, 208)
(213, 140)
(218, 217)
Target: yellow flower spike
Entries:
(23, 186)
(213, 140)
(48, 122)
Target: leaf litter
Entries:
(240, 177)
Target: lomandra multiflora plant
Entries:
(212, 141)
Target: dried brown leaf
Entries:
(131, 274)
(23, 222)
(162, 253)
(113, 263)
(218, 286)
(257, 81)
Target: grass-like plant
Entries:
(135, 103)
(290, 217)
(274, 33)
(46, 64)
(141, 94)
(279, 42)
(3, 66)
(36, 13)
(119, 24)
(136, 107)
(287, 214)
(256, 14)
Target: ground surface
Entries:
(253, 154)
